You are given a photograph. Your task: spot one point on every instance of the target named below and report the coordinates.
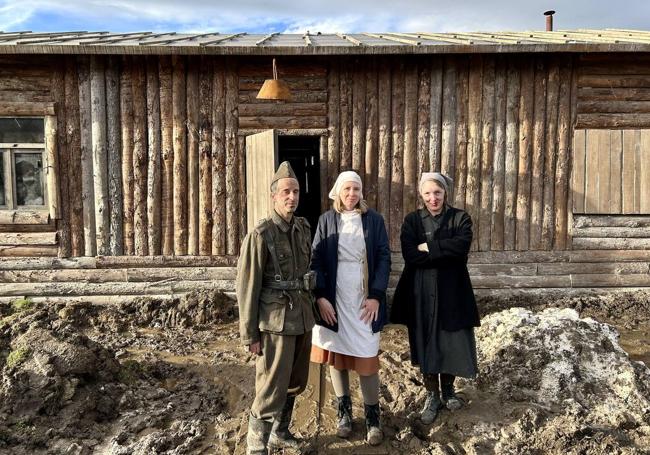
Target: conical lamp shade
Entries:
(274, 89)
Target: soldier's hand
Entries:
(326, 310)
(255, 348)
(369, 310)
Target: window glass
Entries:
(22, 130)
(29, 179)
(2, 181)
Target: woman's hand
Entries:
(326, 310)
(255, 348)
(370, 310)
(423, 247)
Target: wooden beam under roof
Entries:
(222, 39)
(532, 37)
(62, 38)
(354, 41)
(392, 38)
(308, 41)
(488, 37)
(445, 38)
(134, 36)
(175, 40)
(266, 38)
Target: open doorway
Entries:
(302, 152)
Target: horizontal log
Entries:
(515, 257)
(609, 255)
(519, 257)
(28, 238)
(31, 108)
(549, 294)
(502, 269)
(25, 83)
(593, 268)
(23, 96)
(26, 251)
(285, 131)
(283, 122)
(24, 217)
(504, 281)
(614, 93)
(104, 262)
(81, 289)
(294, 83)
(583, 221)
(299, 96)
(118, 275)
(610, 244)
(613, 107)
(111, 300)
(31, 263)
(15, 228)
(605, 280)
(284, 70)
(283, 109)
(612, 232)
(636, 81)
(614, 68)
(613, 121)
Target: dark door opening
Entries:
(302, 152)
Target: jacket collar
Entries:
(280, 222)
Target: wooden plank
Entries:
(526, 112)
(283, 122)
(384, 120)
(487, 154)
(613, 121)
(11, 109)
(592, 268)
(219, 159)
(517, 257)
(167, 154)
(624, 94)
(539, 145)
(154, 177)
(435, 114)
(179, 114)
(512, 153)
(294, 83)
(241, 188)
(232, 169)
(618, 80)
(333, 125)
(57, 153)
(595, 140)
(193, 156)
(345, 112)
(358, 117)
(504, 281)
(604, 232)
(448, 131)
(293, 68)
(205, 156)
(502, 269)
(100, 162)
(397, 161)
(423, 121)
(52, 167)
(562, 170)
(644, 178)
(616, 167)
(613, 107)
(322, 152)
(499, 161)
(126, 119)
(139, 93)
(26, 217)
(87, 185)
(628, 171)
(604, 172)
(550, 156)
(113, 144)
(410, 157)
(638, 154)
(73, 144)
(611, 244)
(112, 262)
(607, 280)
(460, 160)
(372, 139)
(609, 256)
(28, 238)
(261, 158)
(28, 250)
(285, 109)
(248, 99)
(46, 263)
(579, 170)
(611, 221)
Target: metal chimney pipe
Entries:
(549, 20)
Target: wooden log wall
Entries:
(501, 126)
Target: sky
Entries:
(330, 16)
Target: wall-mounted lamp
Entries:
(274, 89)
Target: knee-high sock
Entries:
(370, 388)
(340, 381)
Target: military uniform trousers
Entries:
(282, 369)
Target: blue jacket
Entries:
(325, 261)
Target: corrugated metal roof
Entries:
(83, 42)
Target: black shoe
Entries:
(373, 426)
(344, 415)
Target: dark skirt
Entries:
(433, 349)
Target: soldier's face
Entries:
(286, 197)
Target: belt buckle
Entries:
(277, 278)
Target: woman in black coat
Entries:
(434, 296)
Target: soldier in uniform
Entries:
(276, 314)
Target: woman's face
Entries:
(433, 195)
(350, 195)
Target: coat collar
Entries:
(280, 222)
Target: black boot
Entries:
(451, 401)
(344, 414)
(373, 426)
(432, 403)
(258, 436)
(281, 437)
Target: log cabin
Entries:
(134, 163)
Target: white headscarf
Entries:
(346, 176)
(445, 181)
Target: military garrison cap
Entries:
(284, 172)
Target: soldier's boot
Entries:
(258, 436)
(281, 437)
(431, 406)
(374, 434)
(344, 415)
(451, 401)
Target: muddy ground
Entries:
(171, 377)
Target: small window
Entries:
(22, 153)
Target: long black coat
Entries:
(448, 254)
(325, 260)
